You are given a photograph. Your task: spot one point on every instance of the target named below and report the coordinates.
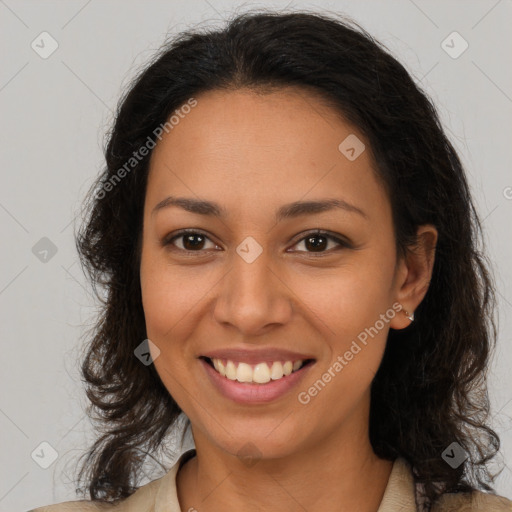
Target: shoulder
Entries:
(472, 502)
(158, 495)
(72, 506)
(81, 506)
(142, 500)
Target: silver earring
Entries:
(410, 316)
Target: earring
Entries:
(410, 316)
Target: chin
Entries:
(268, 439)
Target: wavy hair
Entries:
(430, 389)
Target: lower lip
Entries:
(245, 393)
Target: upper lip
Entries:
(256, 356)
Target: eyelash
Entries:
(169, 241)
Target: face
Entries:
(246, 279)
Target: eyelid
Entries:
(327, 234)
(167, 240)
(339, 239)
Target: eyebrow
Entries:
(287, 211)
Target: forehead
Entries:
(250, 148)
(230, 122)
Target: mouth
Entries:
(261, 373)
(240, 383)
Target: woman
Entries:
(289, 250)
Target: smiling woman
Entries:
(297, 260)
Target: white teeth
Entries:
(217, 363)
(244, 373)
(259, 373)
(277, 371)
(231, 370)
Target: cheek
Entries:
(352, 311)
(167, 300)
(168, 293)
(346, 300)
(350, 315)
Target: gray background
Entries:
(54, 114)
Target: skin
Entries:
(274, 149)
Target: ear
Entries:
(413, 274)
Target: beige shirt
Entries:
(160, 496)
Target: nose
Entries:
(253, 297)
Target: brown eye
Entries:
(195, 241)
(192, 241)
(318, 242)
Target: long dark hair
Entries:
(430, 390)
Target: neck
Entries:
(344, 477)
